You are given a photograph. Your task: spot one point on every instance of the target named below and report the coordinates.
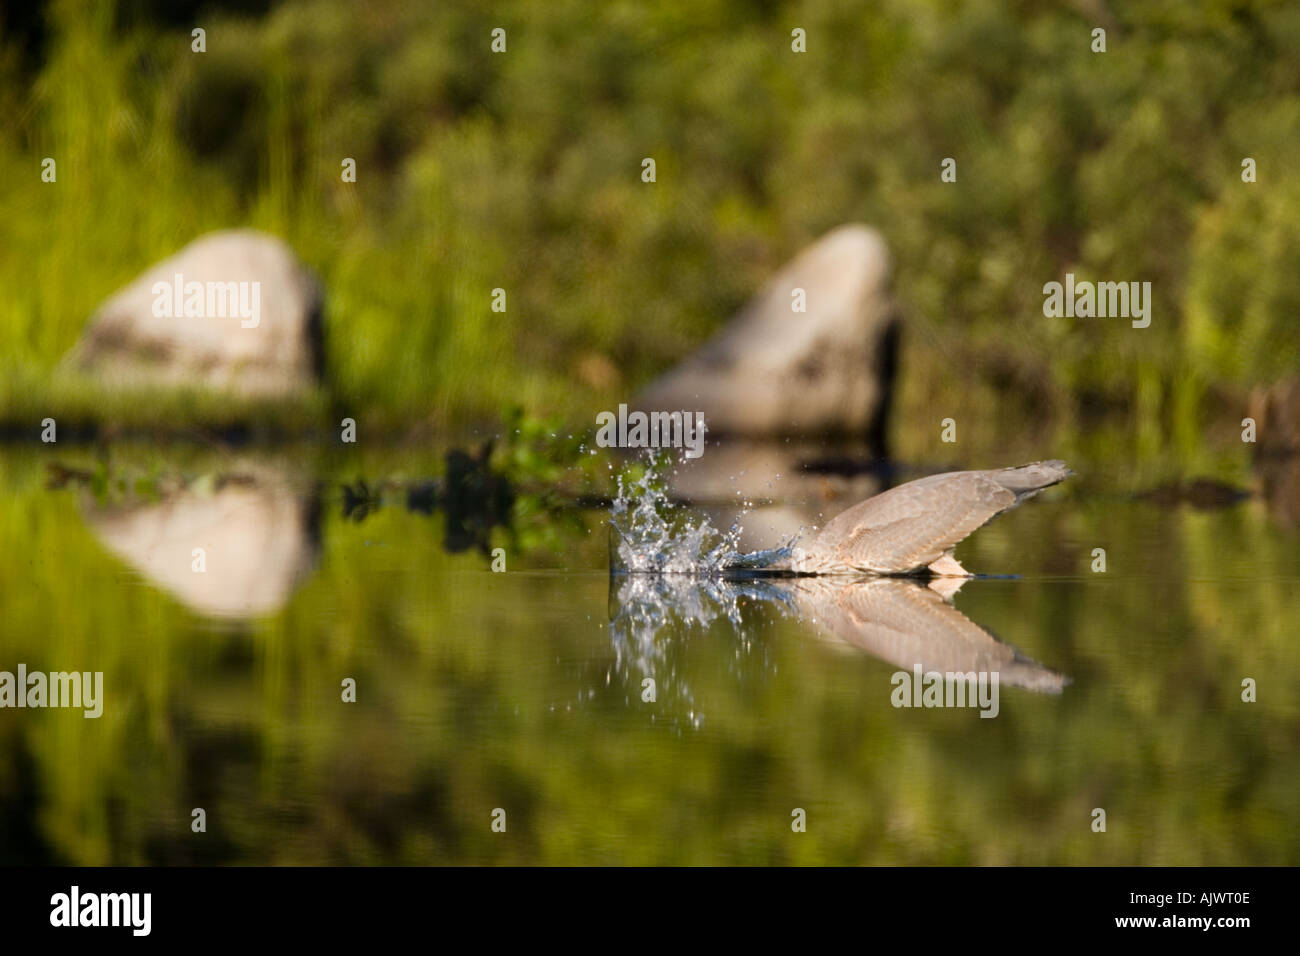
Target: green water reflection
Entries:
(478, 691)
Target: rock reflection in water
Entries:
(257, 521)
(780, 489)
(259, 536)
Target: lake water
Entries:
(520, 697)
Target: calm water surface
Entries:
(525, 691)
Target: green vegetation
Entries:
(522, 171)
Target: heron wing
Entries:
(909, 527)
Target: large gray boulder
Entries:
(775, 371)
(233, 310)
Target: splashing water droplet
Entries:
(651, 535)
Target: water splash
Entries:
(673, 574)
(650, 534)
(653, 615)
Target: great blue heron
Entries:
(916, 526)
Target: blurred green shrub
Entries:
(521, 171)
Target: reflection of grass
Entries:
(481, 690)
